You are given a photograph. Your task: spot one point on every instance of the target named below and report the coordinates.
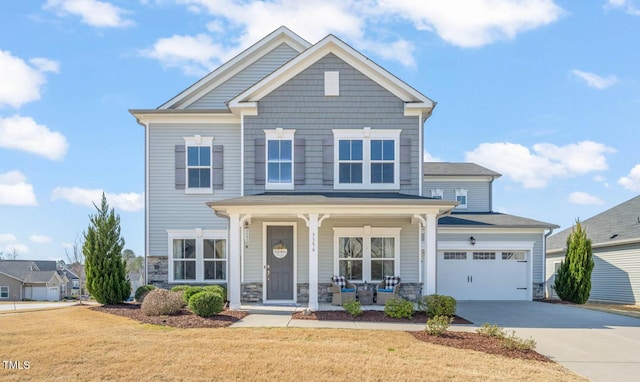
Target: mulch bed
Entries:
(369, 315)
(474, 341)
(182, 319)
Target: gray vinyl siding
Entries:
(14, 288)
(537, 238)
(217, 98)
(478, 194)
(300, 104)
(550, 273)
(615, 276)
(254, 255)
(171, 209)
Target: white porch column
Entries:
(313, 261)
(233, 278)
(430, 247)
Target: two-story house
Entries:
(295, 162)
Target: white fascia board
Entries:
(332, 44)
(477, 229)
(191, 117)
(332, 210)
(460, 178)
(600, 245)
(236, 65)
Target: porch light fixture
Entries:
(245, 231)
(472, 240)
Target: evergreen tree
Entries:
(573, 280)
(104, 266)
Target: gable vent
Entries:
(331, 84)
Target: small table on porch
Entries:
(365, 297)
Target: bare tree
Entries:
(13, 254)
(75, 261)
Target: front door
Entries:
(280, 255)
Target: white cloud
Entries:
(369, 25)
(93, 12)
(430, 158)
(15, 191)
(8, 238)
(632, 180)
(584, 198)
(87, 197)
(23, 133)
(595, 81)
(21, 83)
(40, 239)
(196, 55)
(627, 5)
(547, 161)
(20, 249)
(474, 23)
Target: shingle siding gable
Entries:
(300, 104)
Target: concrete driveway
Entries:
(21, 306)
(600, 346)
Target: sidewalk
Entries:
(265, 316)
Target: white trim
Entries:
(462, 192)
(146, 203)
(482, 245)
(421, 156)
(8, 291)
(435, 192)
(279, 134)
(181, 117)
(366, 233)
(466, 178)
(265, 224)
(198, 141)
(366, 135)
(197, 234)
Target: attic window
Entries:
(331, 84)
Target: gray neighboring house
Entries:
(615, 241)
(294, 162)
(33, 280)
(136, 280)
(73, 287)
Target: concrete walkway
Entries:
(7, 307)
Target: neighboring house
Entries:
(615, 242)
(136, 280)
(295, 162)
(33, 280)
(72, 287)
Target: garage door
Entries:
(484, 275)
(39, 293)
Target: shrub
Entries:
(142, 291)
(217, 289)
(491, 331)
(179, 288)
(437, 305)
(398, 308)
(353, 307)
(206, 304)
(438, 325)
(190, 291)
(510, 341)
(161, 302)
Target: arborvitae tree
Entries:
(573, 280)
(104, 266)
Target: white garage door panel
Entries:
(487, 275)
(39, 293)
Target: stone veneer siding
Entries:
(538, 291)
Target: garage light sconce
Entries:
(472, 240)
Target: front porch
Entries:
(387, 234)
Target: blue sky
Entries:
(545, 92)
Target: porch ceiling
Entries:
(335, 204)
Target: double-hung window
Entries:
(198, 164)
(366, 158)
(461, 198)
(197, 256)
(279, 158)
(4, 292)
(366, 253)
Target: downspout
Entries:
(544, 259)
(146, 204)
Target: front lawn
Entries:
(80, 344)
